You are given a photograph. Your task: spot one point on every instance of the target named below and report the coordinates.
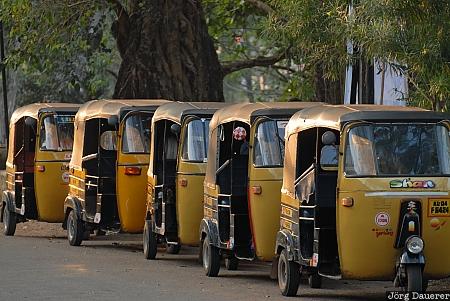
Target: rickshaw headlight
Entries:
(414, 245)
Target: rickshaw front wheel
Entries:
(414, 276)
(173, 248)
(150, 241)
(231, 263)
(9, 221)
(211, 258)
(288, 275)
(75, 231)
(315, 280)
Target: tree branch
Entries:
(262, 6)
(261, 61)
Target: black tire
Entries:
(200, 252)
(75, 229)
(99, 232)
(211, 258)
(150, 242)
(9, 221)
(415, 278)
(315, 280)
(173, 249)
(231, 263)
(288, 275)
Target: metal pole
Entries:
(5, 91)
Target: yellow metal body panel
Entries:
(51, 186)
(77, 183)
(51, 189)
(264, 209)
(366, 249)
(190, 201)
(131, 192)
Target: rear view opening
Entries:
(24, 156)
(165, 164)
(99, 160)
(232, 178)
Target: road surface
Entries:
(39, 264)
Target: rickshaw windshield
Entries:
(56, 133)
(398, 149)
(136, 134)
(196, 139)
(269, 143)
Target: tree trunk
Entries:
(329, 91)
(166, 52)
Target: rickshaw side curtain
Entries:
(361, 151)
(444, 150)
(267, 147)
(77, 152)
(290, 162)
(11, 145)
(195, 140)
(132, 140)
(211, 168)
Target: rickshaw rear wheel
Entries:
(9, 221)
(288, 275)
(75, 231)
(150, 242)
(211, 258)
(415, 279)
(231, 263)
(315, 280)
(173, 248)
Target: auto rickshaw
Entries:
(180, 134)
(242, 183)
(40, 146)
(108, 168)
(365, 196)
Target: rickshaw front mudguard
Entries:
(404, 260)
(71, 203)
(285, 240)
(207, 227)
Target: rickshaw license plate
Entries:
(438, 207)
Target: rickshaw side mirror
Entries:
(175, 128)
(113, 121)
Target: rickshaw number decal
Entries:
(382, 219)
(438, 207)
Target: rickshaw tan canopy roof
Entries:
(105, 108)
(175, 111)
(329, 116)
(246, 111)
(33, 110)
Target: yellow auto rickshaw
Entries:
(40, 147)
(108, 168)
(242, 183)
(180, 134)
(365, 196)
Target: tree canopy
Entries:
(294, 48)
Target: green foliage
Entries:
(240, 33)
(62, 49)
(414, 34)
